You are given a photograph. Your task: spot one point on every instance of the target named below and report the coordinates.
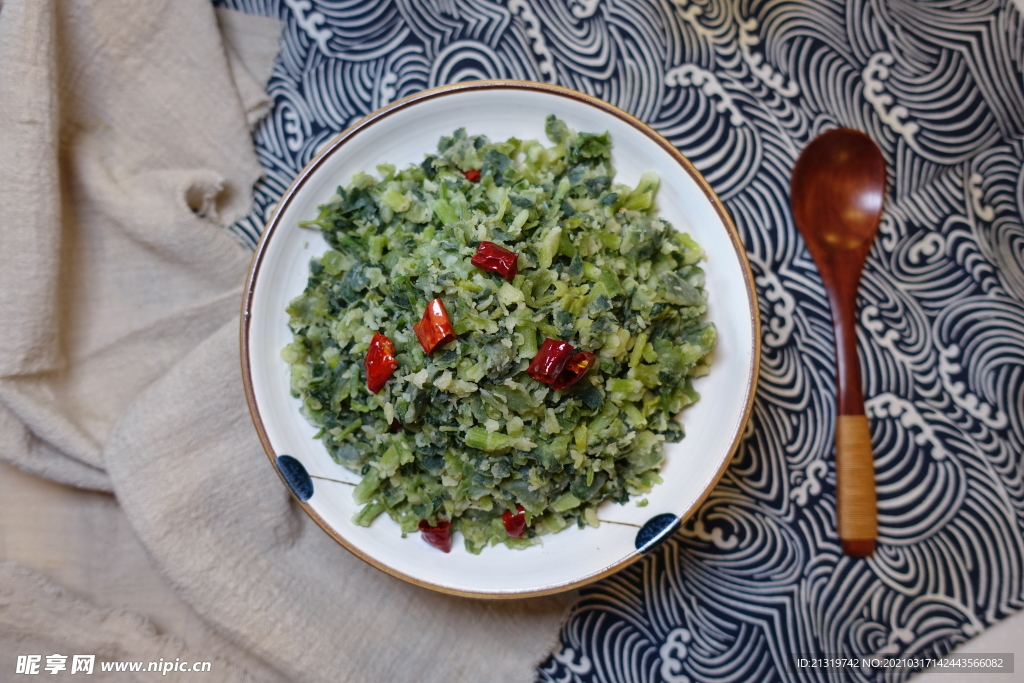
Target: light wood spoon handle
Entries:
(856, 506)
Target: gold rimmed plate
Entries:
(402, 133)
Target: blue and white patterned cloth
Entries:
(740, 86)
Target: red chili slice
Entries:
(396, 426)
(490, 257)
(439, 536)
(550, 360)
(515, 524)
(436, 328)
(574, 370)
(472, 175)
(380, 362)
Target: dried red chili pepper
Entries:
(472, 175)
(515, 524)
(492, 258)
(396, 426)
(436, 328)
(550, 360)
(574, 370)
(439, 536)
(380, 362)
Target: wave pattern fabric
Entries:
(740, 86)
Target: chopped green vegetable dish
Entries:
(465, 434)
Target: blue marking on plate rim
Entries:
(296, 476)
(655, 531)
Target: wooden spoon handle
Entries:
(856, 507)
(856, 513)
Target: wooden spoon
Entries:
(836, 193)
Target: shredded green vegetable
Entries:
(597, 268)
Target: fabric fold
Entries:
(251, 44)
(31, 230)
(39, 617)
(126, 148)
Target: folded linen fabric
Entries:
(82, 541)
(251, 44)
(37, 616)
(124, 144)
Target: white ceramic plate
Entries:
(402, 133)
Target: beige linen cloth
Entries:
(124, 148)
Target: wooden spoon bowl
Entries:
(836, 193)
